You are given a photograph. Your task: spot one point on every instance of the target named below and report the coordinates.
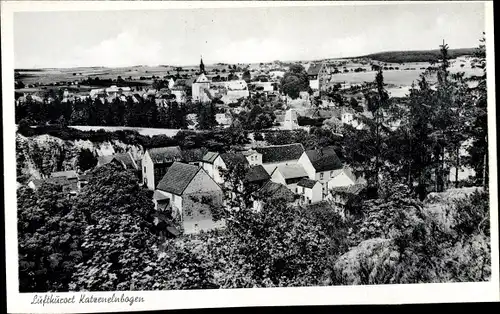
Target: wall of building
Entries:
(199, 197)
(277, 177)
(148, 177)
(340, 180)
(254, 159)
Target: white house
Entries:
(275, 155)
(341, 177)
(290, 121)
(348, 117)
(189, 193)
(253, 157)
(171, 83)
(320, 165)
(223, 119)
(310, 191)
(180, 94)
(215, 163)
(155, 163)
(289, 175)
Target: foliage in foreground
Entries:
(106, 240)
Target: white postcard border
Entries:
(156, 300)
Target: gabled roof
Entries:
(291, 171)
(324, 159)
(192, 155)
(125, 159)
(70, 174)
(346, 170)
(350, 189)
(279, 153)
(232, 159)
(272, 190)
(165, 154)
(257, 173)
(177, 178)
(307, 183)
(210, 157)
(202, 79)
(314, 69)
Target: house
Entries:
(290, 121)
(340, 196)
(253, 157)
(223, 119)
(256, 175)
(155, 163)
(272, 191)
(320, 165)
(215, 163)
(69, 180)
(171, 83)
(348, 117)
(179, 93)
(310, 191)
(188, 193)
(289, 175)
(275, 155)
(115, 91)
(341, 177)
(124, 160)
(193, 156)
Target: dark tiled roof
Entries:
(192, 155)
(165, 154)
(324, 159)
(177, 178)
(279, 153)
(232, 159)
(350, 189)
(314, 69)
(276, 191)
(126, 159)
(257, 173)
(307, 183)
(210, 157)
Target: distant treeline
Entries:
(417, 55)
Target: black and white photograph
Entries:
(232, 147)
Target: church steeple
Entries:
(202, 66)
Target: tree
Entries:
(50, 233)
(478, 151)
(119, 238)
(86, 160)
(295, 81)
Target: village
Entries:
(289, 172)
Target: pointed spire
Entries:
(202, 66)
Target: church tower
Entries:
(202, 67)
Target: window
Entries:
(321, 176)
(331, 173)
(173, 198)
(144, 169)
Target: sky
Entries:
(238, 35)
